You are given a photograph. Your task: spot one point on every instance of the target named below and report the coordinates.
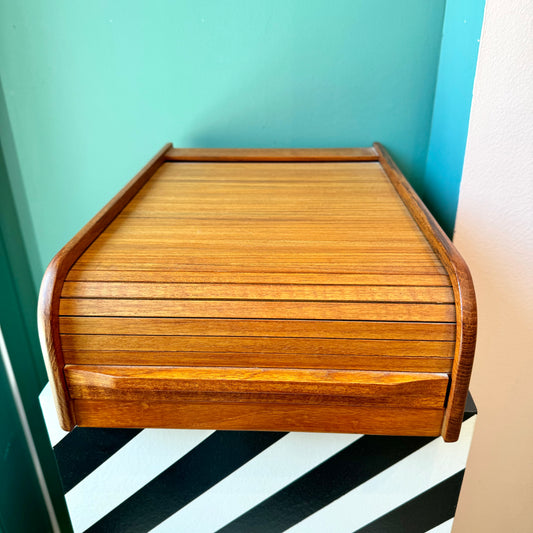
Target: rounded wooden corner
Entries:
(48, 326)
(466, 311)
(54, 277)
(464, 295)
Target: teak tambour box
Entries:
(289, 290)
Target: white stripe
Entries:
(445, 527)
(138, 462)
(276, 467)
(55, 432)
(411, 476)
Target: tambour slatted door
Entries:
(262, 289)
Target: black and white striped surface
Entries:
(196, 481)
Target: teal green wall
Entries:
(453, 96)
(93, 89)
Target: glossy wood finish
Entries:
(259, 291)
(402, 363)
(299, 266)
(52, 285)
(463, 287)
(164, 383)
(257, 345)
(257, 416)
(378, 278)
(250, 309)
(343, 329)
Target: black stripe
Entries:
(205, 465)
(470, 407)
(85, 449)
(424, 512)
(357, 463)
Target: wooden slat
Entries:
(274, 345)
(244, 257)
(183, 234)
(259, 309)
(263, 228)
(258, 292)
(266, 173)
(374, 218)
(176, 267)
(227, 190)
(420, 363)
(259, 328)
(171, 243)
(435, 280)
(364, 263)
(260, 207)
(401, 388)
(373, 214)
(259, 416)
(255, 175)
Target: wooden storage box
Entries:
(288, 290)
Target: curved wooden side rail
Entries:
(52, 284)
(463, 288)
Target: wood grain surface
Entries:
(343, 329)
(237, 291)
(257, 345)
(53, 279)
(257, 309)
(299, 266)
(404, 363)
(256, 416)
(381, 388)
(463, 287)
(304, 278)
